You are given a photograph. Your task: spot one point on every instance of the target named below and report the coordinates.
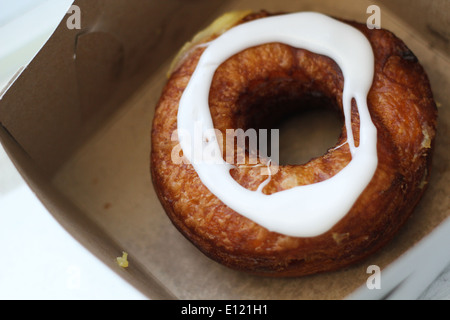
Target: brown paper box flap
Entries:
(82, 76)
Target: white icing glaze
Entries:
(303, 211)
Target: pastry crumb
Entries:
(123, 260)
(339, 237)
(426, 142)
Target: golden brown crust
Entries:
(242, 95)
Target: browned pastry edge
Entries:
(243, 96)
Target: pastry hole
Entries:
(309, 124)
(307, 127)
(307, 116)
(308, 134)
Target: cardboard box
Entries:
(77, 125)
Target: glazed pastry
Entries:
(252, 70)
